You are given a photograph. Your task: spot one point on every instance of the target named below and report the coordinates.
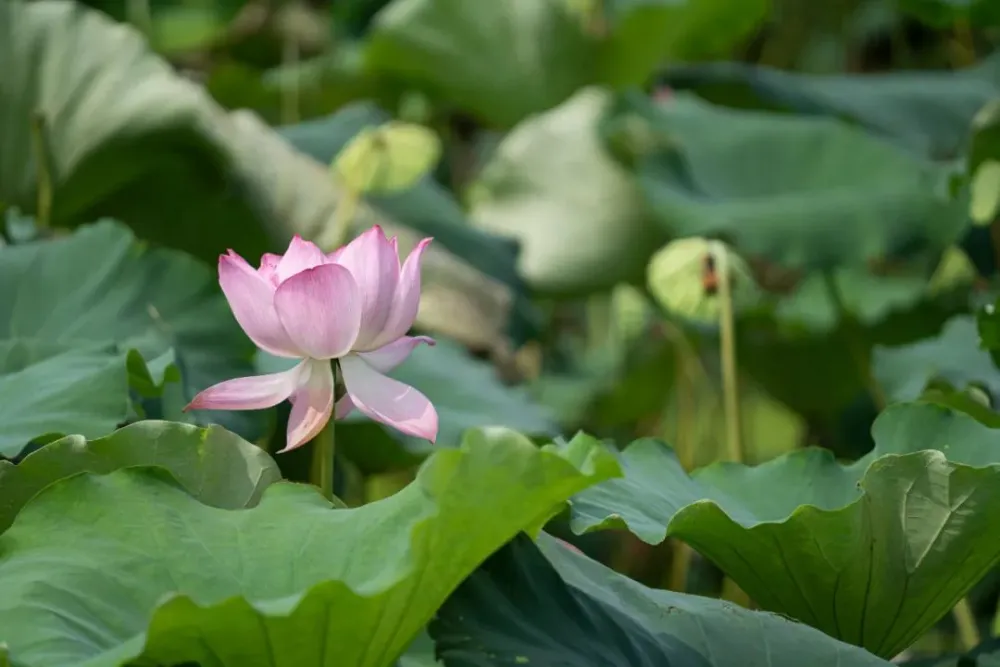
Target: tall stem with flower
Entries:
(353, 307)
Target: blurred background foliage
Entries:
(846, 152)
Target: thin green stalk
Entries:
(324, 444)
(325, 453)
(39, 146)
(680, 566)
(727, 351)
(730, 387)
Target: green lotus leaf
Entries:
(105, 570)
(872, 553)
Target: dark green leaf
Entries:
(501, 60)
(645, 33)
(928, 112)
(517, 610)
(700, 169)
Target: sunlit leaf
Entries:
(578, 215)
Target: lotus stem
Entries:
(325, 444)
(727, 351)
(325, 454)
(680, 566)
(730, 387)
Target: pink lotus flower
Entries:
(354, 305)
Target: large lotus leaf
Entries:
(106, 570)
(954, 356)
(644, 33)
(124, 135)
(700, 167)
(872, 553)
(578, 215)
(518, 609)
(99, 290)
(501, 60)
(54, 389)
(928, 112)
(215, 466)
(466, 393)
